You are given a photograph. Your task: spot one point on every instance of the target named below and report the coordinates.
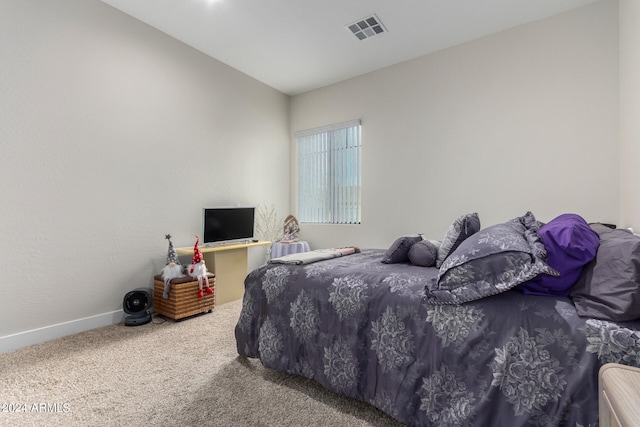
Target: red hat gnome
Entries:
(172, 269)
(198, 269)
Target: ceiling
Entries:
(298, 45)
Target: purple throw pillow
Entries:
(570, 243)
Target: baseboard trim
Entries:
(36, 336)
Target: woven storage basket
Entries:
(183, 298)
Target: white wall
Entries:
(526, 119)
(630, 113)
(113, 134)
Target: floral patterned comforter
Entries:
(364, 329)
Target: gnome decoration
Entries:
(198, 269)
(291, 229)
(173, 269)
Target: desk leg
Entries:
(230, 268)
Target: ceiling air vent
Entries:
(366, 27)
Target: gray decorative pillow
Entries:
(424, 253)
(399, 250)
(491, 261)
(462, 227)
(609, 286)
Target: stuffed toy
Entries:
(172, 269)
(197, 269)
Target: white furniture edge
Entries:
(603, 399)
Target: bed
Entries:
(462, 344)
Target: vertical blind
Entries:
(329, 173)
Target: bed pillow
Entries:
(609, 286)
(399, 249)
(424, 253)
(462, 228)
(491, 261)
(570, 245)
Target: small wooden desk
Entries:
(229, 263)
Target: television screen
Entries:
(227, 224)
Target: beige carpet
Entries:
(164, 374)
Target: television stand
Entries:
(235, 242)
(229, 263)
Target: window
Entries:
(329, 174)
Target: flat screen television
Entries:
(227, 224)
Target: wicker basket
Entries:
(183, 298)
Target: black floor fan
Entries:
(138, 304)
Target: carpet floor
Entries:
(164, 373)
